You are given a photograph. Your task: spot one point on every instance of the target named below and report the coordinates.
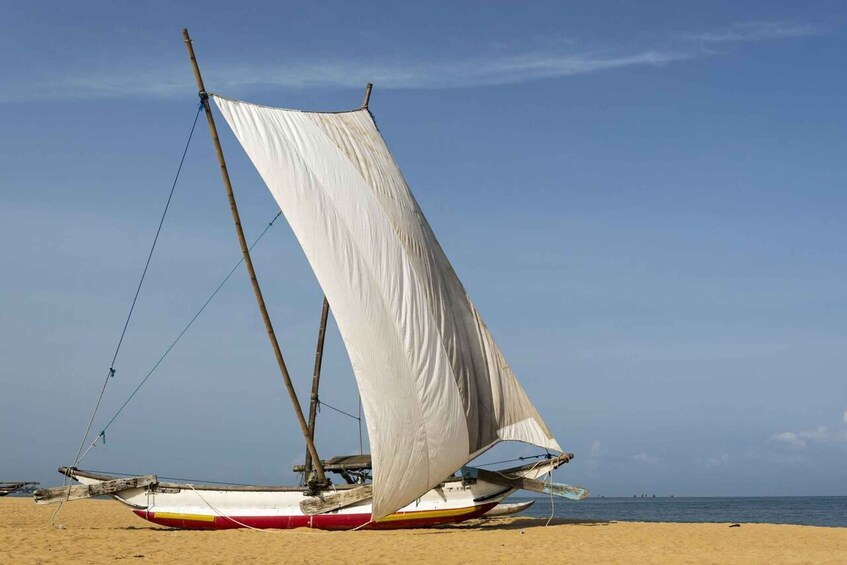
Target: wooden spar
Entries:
(204, 97)
(532, 485)
(367, 98)
(333, 500)
(63, 494)
(316, 379)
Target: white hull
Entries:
(213, 507)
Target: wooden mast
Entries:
(367, 98)
(316, 379)
(204, 98)
(316, 375)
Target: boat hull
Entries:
(185, 506)
(215, 508)
(205, 507)
(330, 521)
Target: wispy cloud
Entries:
(167, 82)
(755, 31)
(597, 449)
(717, 460)
(646, 459)
(170, 80)
(820, 435)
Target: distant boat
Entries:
(435, 386)
(8, 487)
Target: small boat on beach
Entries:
(8, 487)
(435, 387)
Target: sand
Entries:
(99, 531)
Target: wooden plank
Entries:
(342, 463)
(76, 492)
(532, 485)
(333, 500)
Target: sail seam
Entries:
(428, 305)
(428, 260)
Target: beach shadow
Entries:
(524, 523)
(518, 523)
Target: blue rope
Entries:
(111, 372)
(182, 333)
(321, 403)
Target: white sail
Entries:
(435, 387)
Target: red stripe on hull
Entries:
(321, 521)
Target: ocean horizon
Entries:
(798, 510)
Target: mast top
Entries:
(367, 98)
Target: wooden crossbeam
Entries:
(532, 485)
(76, 492)
(333, 500)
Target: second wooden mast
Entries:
(245, 251)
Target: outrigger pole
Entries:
(316, 375)
(204, 99)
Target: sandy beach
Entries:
(96, 531)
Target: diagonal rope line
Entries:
(321, 403)
(181, 334)
(111, 371)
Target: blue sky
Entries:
(646, 204)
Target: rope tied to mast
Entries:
(112, 371)
(175, 341)
(321, 403)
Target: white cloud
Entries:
(172, 79)
(820, 435)
(647, 459)
(755, 31)
(479, 71)
(718, 460)
(597, 449)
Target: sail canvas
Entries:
(435, 387)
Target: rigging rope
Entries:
(186, 480)
(321, 403)
(111, 372)
(545, 455)
(102, 434)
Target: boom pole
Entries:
(204, 98)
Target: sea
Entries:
(806, 511)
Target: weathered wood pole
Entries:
(367, 99)
(204, 97)
(316, 381)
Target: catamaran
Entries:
(435, 387)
